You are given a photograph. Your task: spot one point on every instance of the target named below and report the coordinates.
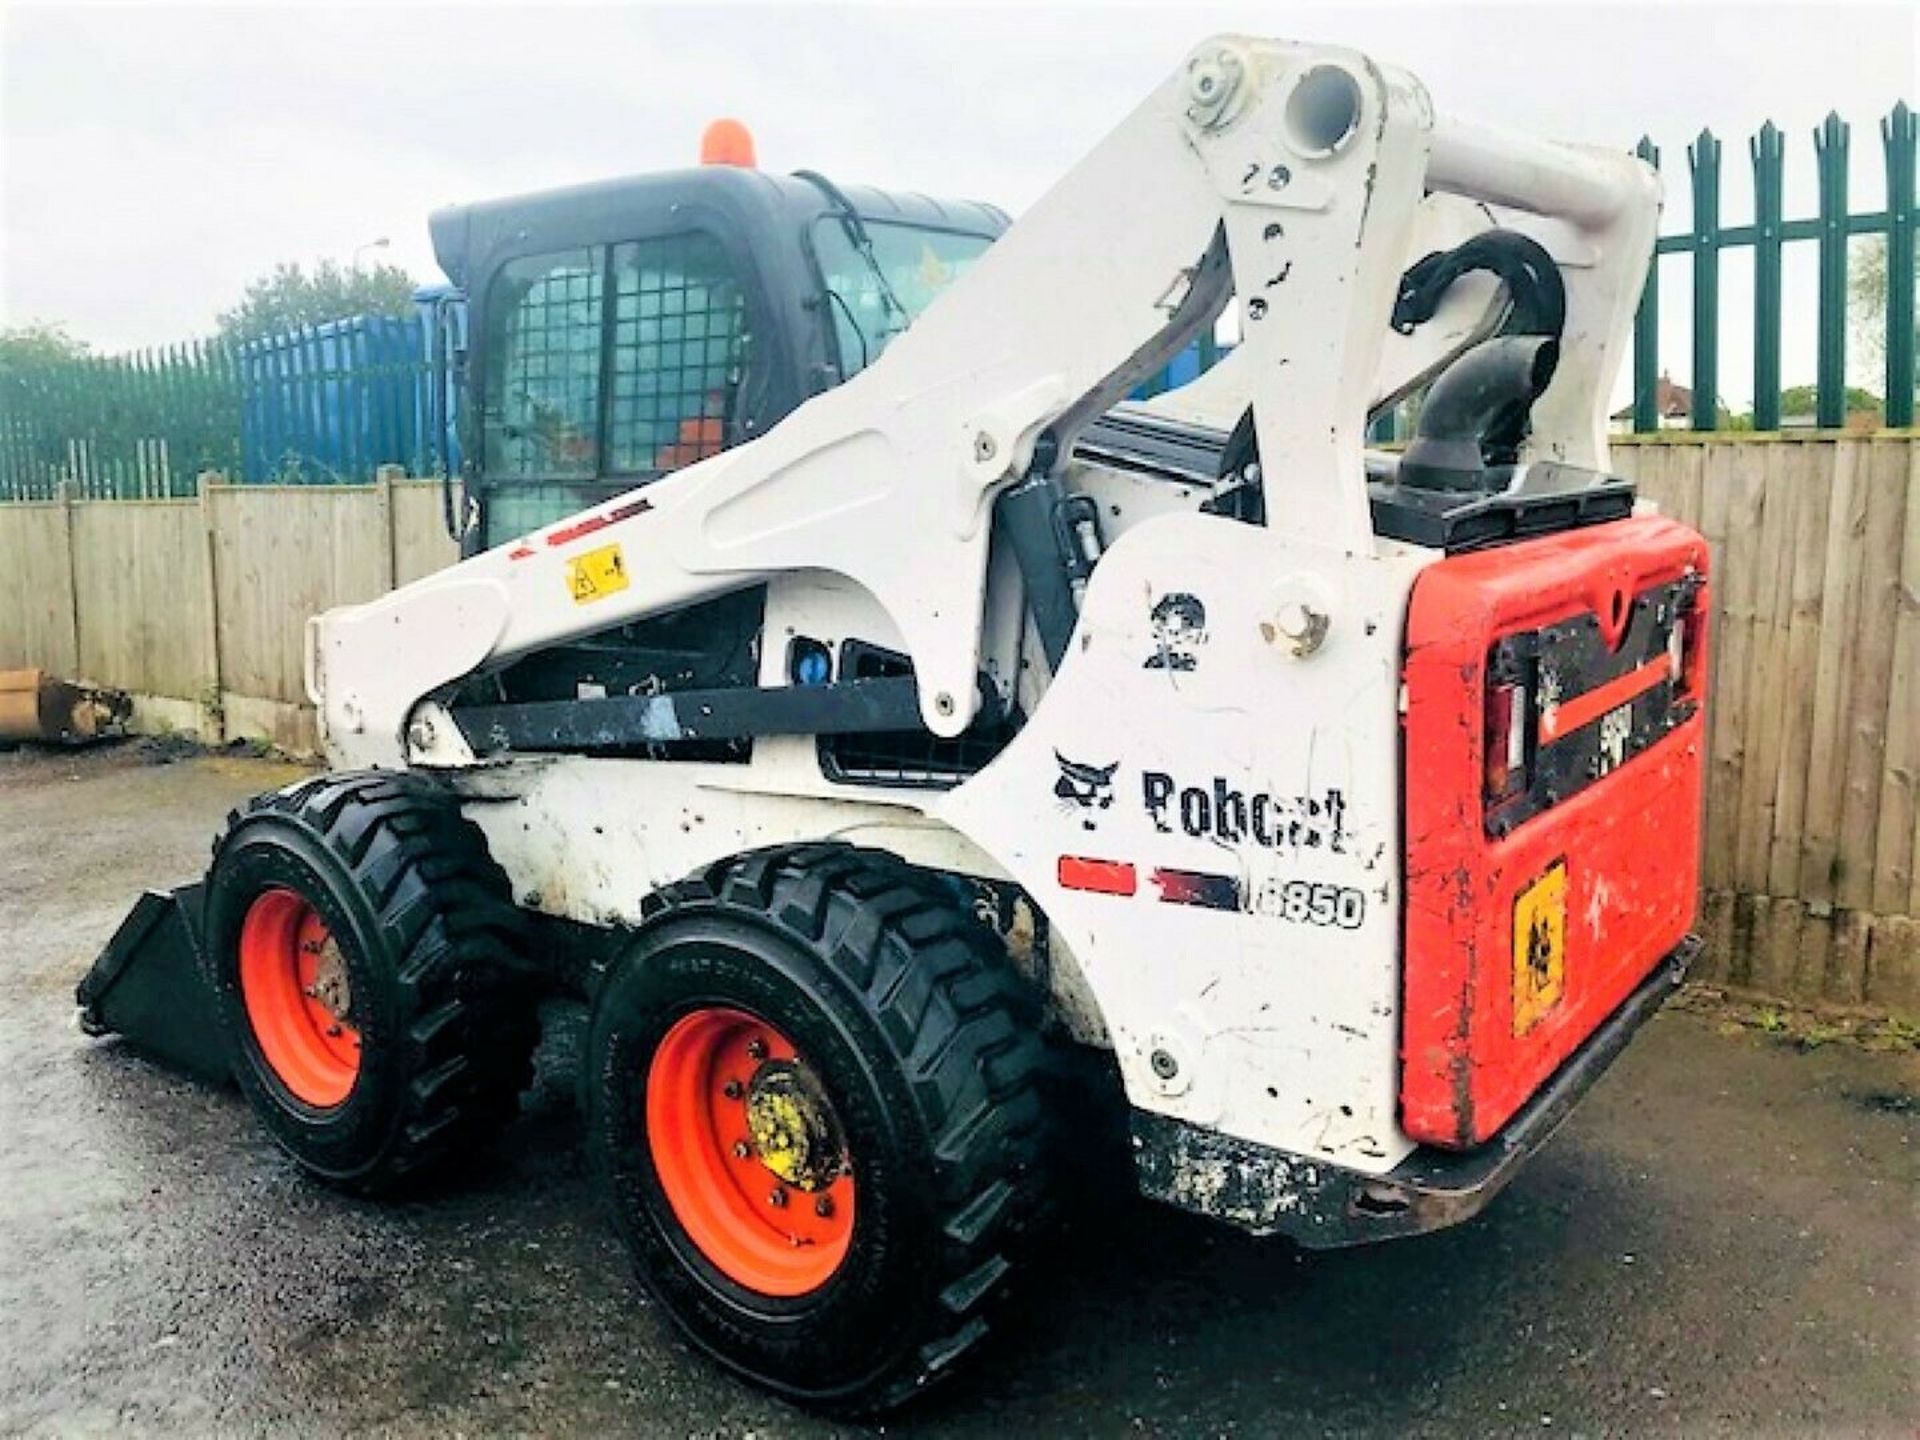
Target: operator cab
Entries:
(623, 329)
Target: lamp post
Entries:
(360, 250)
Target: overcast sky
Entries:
(158, 157)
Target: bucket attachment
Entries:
(37, 706)
(150, 988)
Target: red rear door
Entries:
(1554, 749)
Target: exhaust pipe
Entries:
(1476, 414)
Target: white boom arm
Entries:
(1289, 175)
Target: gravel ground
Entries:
(1721, 1241)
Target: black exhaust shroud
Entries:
(1475, 417)
(1460, 485)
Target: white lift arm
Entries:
(1288, 175)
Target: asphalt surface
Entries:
(1721, 1241)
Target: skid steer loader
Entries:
(968, 718)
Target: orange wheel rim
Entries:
(749, 1152)
(293, 978)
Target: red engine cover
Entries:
(1601, 841)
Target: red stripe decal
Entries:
(1569, 715)
(1198, 887)
(1102, 877)
(566, 534)
(520, 552)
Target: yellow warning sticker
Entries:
(1539, 947)
(596, 574)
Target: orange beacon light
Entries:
(727, 142)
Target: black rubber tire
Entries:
(428, 929)
(928, 1046)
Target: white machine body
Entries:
(1205, 799)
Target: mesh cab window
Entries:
(918, 265)
(544, 318)
(677, 351)
(604, 363)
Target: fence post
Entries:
(1768, 149)
(1898, 133)
(383, 480)
(1703, 158)
(1830, 152)
(1646, 326)
(63, 493)
(213, 704)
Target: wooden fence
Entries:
(1813, 790)
(1812, 878)
(198, 606)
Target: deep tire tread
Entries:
(443, 910)
(959, 1024)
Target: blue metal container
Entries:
(331, 403)
(442, 314)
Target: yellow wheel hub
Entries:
(792, 1128)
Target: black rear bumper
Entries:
(1275, 1192)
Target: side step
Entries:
(149, 987)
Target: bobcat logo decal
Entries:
(1084, 788)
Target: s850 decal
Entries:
(1311, 902)
(1298, 902)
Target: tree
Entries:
(24, 347)
(1867, 294)
(291, 297)
(1801, 399)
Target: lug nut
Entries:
(823, 1207)
(741, 1150)
(733, 1090)
(756, 1049)
(778, 1197)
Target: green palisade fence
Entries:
(306, 407)
(136, 426)
(144, 425)
(1830, 228)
